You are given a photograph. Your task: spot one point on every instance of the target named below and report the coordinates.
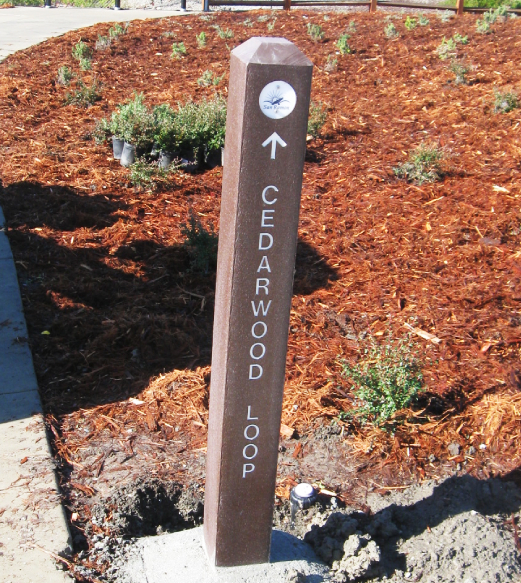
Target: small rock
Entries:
(454, 449)
(295, 576)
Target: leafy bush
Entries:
(84, 95)
(199, 124)
(81, 50)
(410, 23)
(424, 165)
(117, 30)
(462, 40)
(423, 20)
(134, 122)
(201, 40)
(208, 78)
(482, 26)
(225, 34)
(505, 102)
(331, 63)
(342, 45)
(446, 49)
(178, 49)
(103, 43)
(315, 31)
(460, 71)
(390, 31)
(493, 14)
(65, 76)
(317, 118)
(201, 245)
(388, 379)
(143, 174)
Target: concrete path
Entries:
(25, 26)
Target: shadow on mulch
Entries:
(108, 311)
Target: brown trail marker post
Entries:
(268, 105)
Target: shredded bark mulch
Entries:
(120, 326)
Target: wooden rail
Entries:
(372, 5)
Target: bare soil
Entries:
(120, 327)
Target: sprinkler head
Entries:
(303, 495)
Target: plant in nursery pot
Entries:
(136, 126)
(166, 142)
(213, 113)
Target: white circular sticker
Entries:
(277, 99)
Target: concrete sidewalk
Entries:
(25, 26)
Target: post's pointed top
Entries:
(271, 51)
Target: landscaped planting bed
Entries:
(410, 230)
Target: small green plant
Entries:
(424, 165)
(201, 245)
(315, 32)
(81, 50)
(387, 379)
(390, 31)
(352, 26)
(178, 49)
(208, 78)
(317, 118)
(271, 24)
(460, 40)
(248, 22)
(342, 45)
(134, 122)
(331, 64)
(201, 40)
(482, 26)
(423, 20)
(410, 23)
(85, 64)
(224, 34)
(494, 14)
(460, 71)
(168, 34)
(84, 95)
(505, 102)
(263, 18)
(144, 174)
(65, 76)
(117, 31)
(103, 43)
(446, 49)
(445, 16)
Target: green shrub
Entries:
(103, 43)
(85, 64)
(118, 30)
(423, 20)
(134, 122)
(410, 23)
(331, 63)
(493, 14)
(390, 31)
(446, 49)
(200, 124)
(505, 102)
(201, 245)
(424, 165)
(144, 174)
(317, 118)
(178, 49)
(81, 50)
(342, 45)
(446, 15)
(224, 34)
(460, 71)
(461, 40)
(315, 31)
(84, 95)
(65, 76)
(208, 78)
(387, 379)
(482, 26)
(201, 40)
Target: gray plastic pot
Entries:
(117, 147)
(128, 155)
(165, 159)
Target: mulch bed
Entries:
(120, 327)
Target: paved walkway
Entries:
(25, 26)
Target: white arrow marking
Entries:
(274, 139)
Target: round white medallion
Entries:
(277, 99)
